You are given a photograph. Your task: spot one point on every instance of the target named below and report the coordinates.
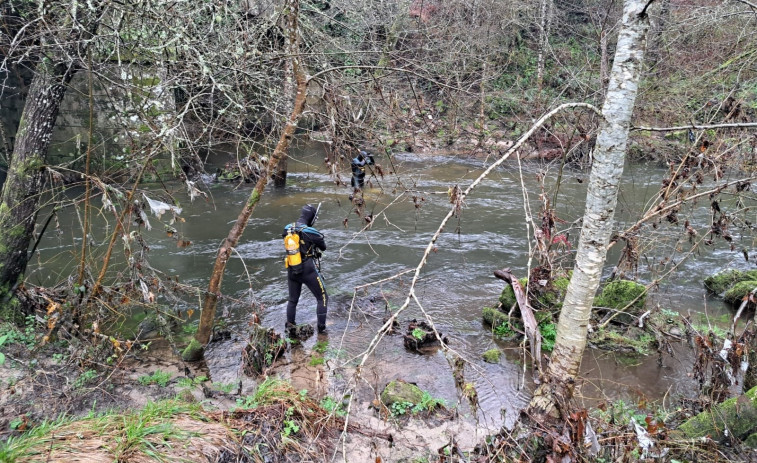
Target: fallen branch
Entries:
(742, 125)
(527, 314)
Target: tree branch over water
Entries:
(743, 125)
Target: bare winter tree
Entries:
(60, 51)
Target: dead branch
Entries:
(527, 313)
(742, 125)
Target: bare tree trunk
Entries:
(604, 60)
(195, 350)
(20, 195)
(280, 177)
(601, 199)
(545, 22)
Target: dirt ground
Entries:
(46, 382)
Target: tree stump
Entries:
(420, 337)
(263, 348)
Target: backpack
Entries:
(292, 243)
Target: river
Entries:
(456, 283)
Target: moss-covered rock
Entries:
(492, 355)
(494, 317)
(631, 341)
(507, 297)
(738, 415)
(735, 294)
(721, 281)
(399, 391)
(552, 296)
(625, 295)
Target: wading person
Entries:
(304, 245)
(358, 169)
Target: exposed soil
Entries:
(51, 380)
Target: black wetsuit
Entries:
(358, 168)
(311, 245)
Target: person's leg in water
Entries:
(314, 282)
(295, 288)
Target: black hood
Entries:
(307, 215)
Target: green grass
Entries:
(270, 391)
(128, 432)
(16, 447)
(225, 387)
(190, 382)
(321, 347)
(160, 378)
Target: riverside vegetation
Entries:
(160, 93)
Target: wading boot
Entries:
(290, 329)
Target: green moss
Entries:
(735, 294)
(721, 281)
(145, 82)
(738, 415)
(494, 317)
(193, 352)
(11, 311)
(17, 231)
(751, 441)
(32, 164)
(561, 283)
(399, 391)
(507, 297)
(634, 341)
(492, 355)
(622, 293)
(254, 198)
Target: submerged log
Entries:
(734, 418)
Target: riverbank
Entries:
(57, 404)
(148, 405)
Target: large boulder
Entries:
(721, 281)
(735, 294)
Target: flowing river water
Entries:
(408, 204)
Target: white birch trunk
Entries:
(601, 199)
(545, 21)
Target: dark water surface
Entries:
(456, 283)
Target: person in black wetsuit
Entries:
(312, 245)
(358, 169)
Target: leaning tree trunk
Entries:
(195, 349)
(20, 197)
(601, 199)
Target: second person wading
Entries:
(301, 268)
